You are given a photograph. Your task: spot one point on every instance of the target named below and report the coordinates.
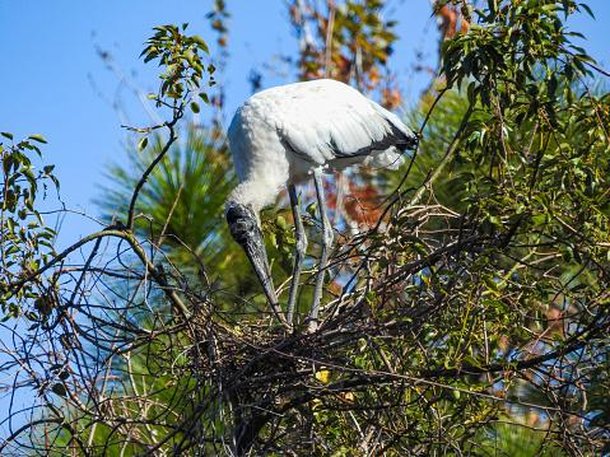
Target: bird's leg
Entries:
(299, 254)
(327, 240)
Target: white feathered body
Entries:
(280, 135)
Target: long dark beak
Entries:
(245, 230)
(254, 247)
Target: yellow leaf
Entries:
(348, 397)
(323, 376)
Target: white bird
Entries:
(281, 136)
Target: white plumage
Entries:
(282, 135)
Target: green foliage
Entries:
(26, 242)
(522, 145)
(182, 58)
(515, 440)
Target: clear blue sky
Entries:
(54, 83)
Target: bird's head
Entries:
(245, 229)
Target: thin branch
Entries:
(172, 138)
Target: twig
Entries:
(172, 138)
(449, 156)
(135, 246)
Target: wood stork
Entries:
(283, 135)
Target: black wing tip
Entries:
(404, 141)
(395, 138)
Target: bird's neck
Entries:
(254, 193)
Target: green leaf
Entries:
(7, 135)
(142, 144)
(201, 43)
(37, 137)
(587, 9)
(194, 107)
(59, 389)
(281, 222)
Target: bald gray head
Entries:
(244, 227)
